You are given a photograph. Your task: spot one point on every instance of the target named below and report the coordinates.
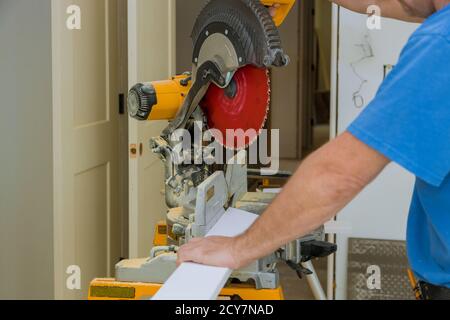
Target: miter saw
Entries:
(235, 42)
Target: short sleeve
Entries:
(409, 119)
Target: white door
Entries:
(151, 56)
(85, 94)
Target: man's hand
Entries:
(212, 251)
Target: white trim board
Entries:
(199, 282)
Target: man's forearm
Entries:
(323, 185)
(389, 8)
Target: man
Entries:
(408, 122)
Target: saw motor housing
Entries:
(159, 100)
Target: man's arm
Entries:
(389, 8)
(323, 185)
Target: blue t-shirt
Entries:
(409, 123)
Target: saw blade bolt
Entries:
(231, 89)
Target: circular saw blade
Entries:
(237, 114)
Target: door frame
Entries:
(306, 61)
(122, 22)
(331, 260)
(133, 131)
(133, 194)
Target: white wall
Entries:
(26, 194)
(380, 212)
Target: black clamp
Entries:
(310, 250)
(316, 249)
